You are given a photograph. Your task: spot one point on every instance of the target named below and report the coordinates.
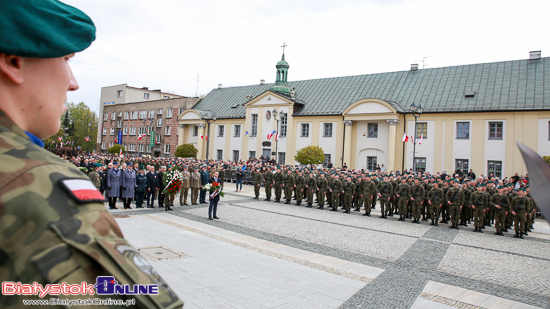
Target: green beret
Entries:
(43, 29)
(141, 167)
(98, 165)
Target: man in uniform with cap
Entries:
(478, 200)
(322, 186)
(141, 186)
(311, 186)
(288, 185)
(454, 199)
(195, 185)
(300, 185)
(94, 175)
(335, 189)
(369, 190)
(185, 178)
(204, 180)
(278, 184)
(269, 177)
(258, 177)
(73, 237)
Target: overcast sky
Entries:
(164, 44)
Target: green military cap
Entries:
(141, 167)
(43, 29)
(480, 185)
(500, 187)
(98, 165)
(522, 189)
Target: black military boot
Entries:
(382, 216)
(357, 209)
(400, 218)
(479, 230)
(320, 207)
(436, 222)
(498, 232)
(505, 230)
(333, 209)
(424, 218)
(521, 235)
(347, 211)
(309, 205)
(298, 203)
(287, 202)
(516, 235)
(526, 233)
(366, 214)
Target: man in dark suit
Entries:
(204, 180)
(160, 178)
(214, 200)
(152, 187)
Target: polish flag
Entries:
(277, 136)
(87, 138)
(206, 137)
(116, 140)
(270, 135)
(420, 140)
(120, 154)
(140, 136)
(202, 137)
(246, 133)
(405, 137)
(83, 190)
(59, 139)
(412, 139)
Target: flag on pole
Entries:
(87, 138)
(116, 140)
(244, 167)
(59, 139)
(246, 133)
(140, 136)
(277, 136)
(202, 137)
(412, 140)
(405, 137)
(420, 140)
(206, 137)
(270, 135)
(120, 154)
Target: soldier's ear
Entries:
(11, 67)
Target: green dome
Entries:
(282, 63)
(284, 89)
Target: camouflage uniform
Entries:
(72, 240)
(435, 197)
(455, 197)
(403, 190)
(300, 185)
(257, 182)
(311, 186)
(336, 189)
(289, 182)
(349, 191)
(94, 177)
(322, 184)
(278, 185)
(269, 177)
(369, 191)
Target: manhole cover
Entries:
(162, 253)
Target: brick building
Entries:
(130, 120)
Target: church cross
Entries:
(284, 45)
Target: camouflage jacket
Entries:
(49, 235)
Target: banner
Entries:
(152, 143)
(120, 137)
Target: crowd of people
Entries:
(460, 198)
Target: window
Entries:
(168, 130)
(166, 148)
(152, 113)
(282, 158)
(149, 149)
(119, 93)
(166, 97)
(220, 130)
(220, 154)
(158, 139)
(141, 147)
(328, 130)
(305, 130)
(119, 124)
(112, 131)
(132, 147)
(372, 130)
(495, 130)
(113, 116)
(461, 164)
(125, 145)
(195, 130)
(254, 128)
(160, 111)
(102, 145)
(181, 110)
(146, 96)
(463, 130)
(126, 115)
(284, 121)
(327, 160)
(159, 122)
(111, 144)
(142, 130)
(252, 154)
(149, 130)
(169, 113)
(104, 131)
(372, 162)
(494, 167)
(105, 116)
(237, 131)
(125, 131)
(142, 114)
(133, 130)
(134, 115)
(235, 155)
(421, 130)
(420, 164)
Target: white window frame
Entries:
(119, 93)
(375, 132)
(112, 131)
(133, 130)
(237, 131)
(102, 145)
(496, 123)
(159, 123)
(151, 113)
(134, 115)
(111, 144)
(306, 127)
(105, 116)
(196, 131)
(104, 131)
(160, 111)
(254, 125)
(169, 113)
(166, 148)
(119, 124)
(113, 116)
(457, 130)
(142, 114)
(125, 131)
(284, 125)
(219, 154)
(168, 130)
(327, 125)
(126, 115)
(145, 95)
(221, 130)
(141, 147)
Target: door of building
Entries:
(266, 153)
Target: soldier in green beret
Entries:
(73, 239)
(279, 176)
(94, 175)
(269, 177)
(258, 178)
(288, 186)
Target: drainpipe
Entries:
(404, 128)
(343, 142)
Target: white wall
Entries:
(302, 142)
(543, 140)
(237, 142)
(219, 142)
(190, 138)
(462, 148)
(371, 146)
(495, 150)
(283, 140)
(253, 140)
(328, 143)
(424, 150)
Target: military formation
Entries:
(482, 202)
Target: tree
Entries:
(310, 155)
(186, 151)
(547, 159)
(77, 123)
(116, 149)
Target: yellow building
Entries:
(472, 116)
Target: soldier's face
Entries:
(43, 93)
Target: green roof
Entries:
(498, 86)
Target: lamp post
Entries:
(207, 134)
(416, 111)
(276, 139)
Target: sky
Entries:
(164, 44)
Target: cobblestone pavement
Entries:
(412, 255)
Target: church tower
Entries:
(281, 82)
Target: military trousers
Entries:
(268, 187)
(433, 210)
(424, 208)
(310, 193)
(299, 194)
(288, 193)
(500, 219)
(367, 203)
(479, 216)
(455, 213)
(347, 201)
(183, 195)
(194, 195)
(393, 204)
(384, 204)
(335, 198)
(402, 203)
(415, 205)
(465, 213)
(519, 222)
(256, 189)
(445, 211)
(321, 197)
(278, 191)
(139, 198)
(169, 199)
(373, 202)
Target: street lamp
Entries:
(416, 111)
(208, 134)
(276, 139)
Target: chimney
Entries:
(219, 86)
(248, 97)
(262, 81)
(146, 88)
(534, 55)
(414, 67)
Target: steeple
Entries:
(281, 82)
